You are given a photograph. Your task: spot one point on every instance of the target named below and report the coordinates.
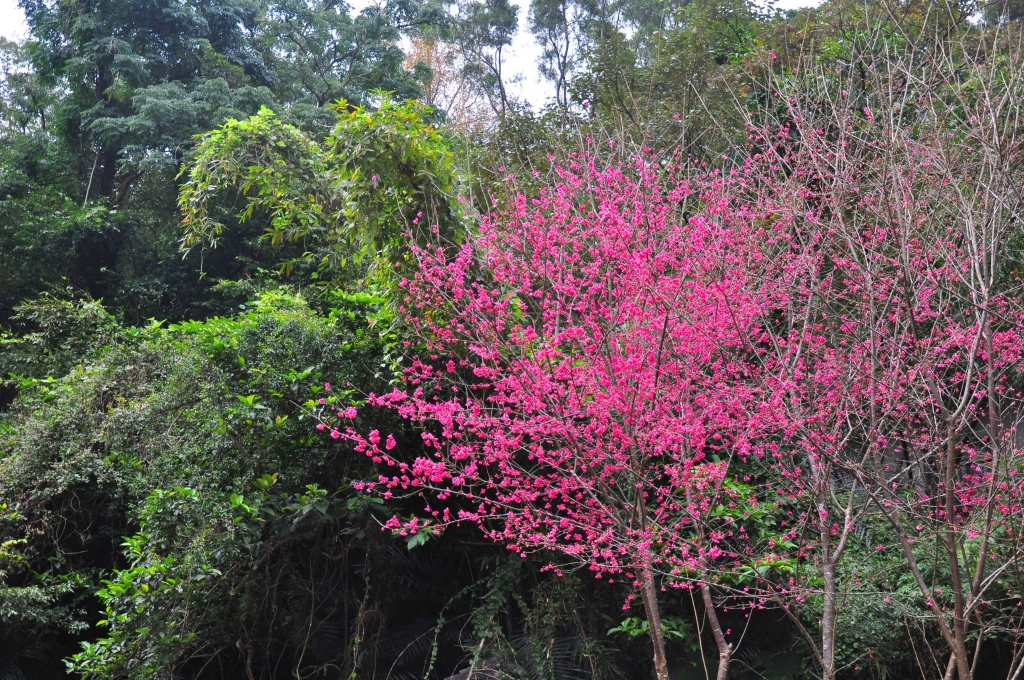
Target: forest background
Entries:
(323, 354)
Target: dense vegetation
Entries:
(323, 356)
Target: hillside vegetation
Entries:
(323, 355)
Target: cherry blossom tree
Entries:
(899, 348)
(587, 382)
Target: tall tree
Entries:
(143, 78)
(483, 30)
(323, 52)
(553, 24)
(447, 87)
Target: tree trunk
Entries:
(828, 614)
(724, 648)
(959, 627)
(649, 594)
(950, 668)
(828, 624)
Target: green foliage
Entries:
(673, 626)
(62, 332)
(380, 175)
(31, 608)
(150, 604)
(25, 100)
(185, 381)
(193, 570)
(364, 52)
(482, 31)
(35, 609)
(135, 72)
(166, 115)
(128, 256)
(99, 108)
(81, 452)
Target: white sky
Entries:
(12, 21)
(521, 61)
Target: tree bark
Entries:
(828, 623)
(828, 614)
(724, 648)
(959, 629)
(950, 668)
(649, 594)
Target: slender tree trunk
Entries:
(828, 623)
(828, 615)
(724, 648)
(88, 187)
(959, 629)
(649, 594)
(950, 668)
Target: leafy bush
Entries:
(208, 406)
